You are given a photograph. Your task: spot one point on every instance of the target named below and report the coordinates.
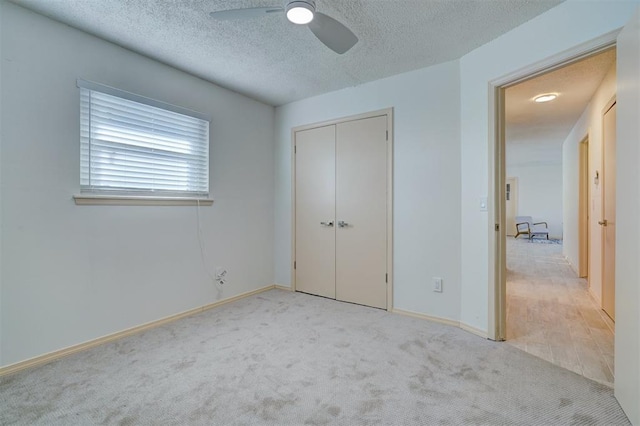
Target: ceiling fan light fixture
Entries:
(300, 12)
(545, 97)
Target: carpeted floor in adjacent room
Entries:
(281, 358)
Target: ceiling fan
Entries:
(332, 33)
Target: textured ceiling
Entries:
(277, 62)
(550, 123)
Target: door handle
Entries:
(330, 223)
(343, 224)
(603, 222)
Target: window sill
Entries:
(135, 200)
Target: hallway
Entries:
(550, 313)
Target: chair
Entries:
(526, 226)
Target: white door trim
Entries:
(496, 223)
(604, 172)
(388, 112)
(584, 201)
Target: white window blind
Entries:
(132, 145)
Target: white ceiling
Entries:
(550, 123)
(277, 62)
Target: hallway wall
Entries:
(538, 167)
(589, 124)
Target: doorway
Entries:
(548, 308)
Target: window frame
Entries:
(122, 196)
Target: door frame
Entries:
(584, 201)
(388, 112)
(514, 199)
(603, 173)
(497, 300)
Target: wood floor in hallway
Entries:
(550, 313)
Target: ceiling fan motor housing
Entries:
(300, 6)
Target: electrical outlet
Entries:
(221, 275)
(437, 284)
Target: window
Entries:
(135, 146)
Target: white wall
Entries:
(627, 341)
(1, 7)
(426, 179)
(563, 27)
(74, 273)
(589, 124)
(538, 167)
(567, 25)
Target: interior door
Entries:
(361, 211)
(511, 199)
(315, 185)
(609, 213)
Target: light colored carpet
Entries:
(289, 358)
(543, 241)
(552, 315)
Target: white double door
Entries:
(341, 211)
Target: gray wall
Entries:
(74, 273)
(1, 224)
(538, 167)
(426, 206)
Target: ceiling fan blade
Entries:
(249, 13)
(332, 33)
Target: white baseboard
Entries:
(61, 353)
(595, 297)
(573, 268)
(426, 317)
(474, 330)
(283, 287)
(461, 325)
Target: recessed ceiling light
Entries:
(300, 12)
(546, 97)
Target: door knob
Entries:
(603, 222)
(342, 224)
(330, 223)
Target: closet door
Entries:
(315, 184)
(361, 211)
